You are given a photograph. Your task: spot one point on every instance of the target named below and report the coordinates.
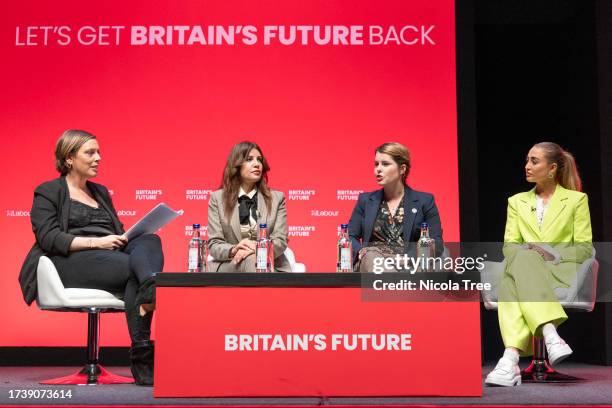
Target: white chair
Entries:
(53, 296)
(296, 267)
(580, 295)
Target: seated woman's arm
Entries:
(279, 235)
(218, 246)
(513, 239)
(46, 224)
(107, 242)
(582, 248)
(432, 218)
(52, 240)
(355, 228)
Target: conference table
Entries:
(315, 334)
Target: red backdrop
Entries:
(167, 115)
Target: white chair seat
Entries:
(91, 298)
(580, 295)
(53, 295)
(296, 267)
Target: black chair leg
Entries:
(93, 373)
(540, 371)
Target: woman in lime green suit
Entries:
(547, 237)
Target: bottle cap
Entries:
(263, 225)
(424, 225)
(196, 226)
(343, 226)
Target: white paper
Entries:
(159, 216)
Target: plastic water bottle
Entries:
(264, 252)
(194, 259)
(426, 250)
(345, 251)
(204, 252)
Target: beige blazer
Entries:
(223, 233)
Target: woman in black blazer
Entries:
(76, 226)
(385, 222)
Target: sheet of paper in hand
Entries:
(159, 216)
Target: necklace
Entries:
(393, 210)
(541, 208)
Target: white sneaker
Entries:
(506, 373)
(557, 350)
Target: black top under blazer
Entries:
(49, 216)
(419, 207)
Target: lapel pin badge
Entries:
(414, 210)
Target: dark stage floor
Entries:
(596, 391)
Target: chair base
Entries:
(539, 371)
(91, 374)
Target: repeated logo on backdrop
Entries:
(318, 85)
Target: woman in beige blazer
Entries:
(235, 210)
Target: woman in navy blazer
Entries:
(385, 222)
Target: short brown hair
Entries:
(68, 145)
(399, 153)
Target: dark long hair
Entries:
(231, 176)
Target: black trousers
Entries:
(120, 272)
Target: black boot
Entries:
(146, 293)
(141, 356)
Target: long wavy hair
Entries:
(567, 171)
(231, 176)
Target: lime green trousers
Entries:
(527, 300)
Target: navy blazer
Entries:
(419, 207)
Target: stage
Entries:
(467, 86)
(596, 391)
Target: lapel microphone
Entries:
(533, 209)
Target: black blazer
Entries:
(419, 207)
(49, 217)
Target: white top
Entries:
(251, 193)
(540, 213)
(540, 210)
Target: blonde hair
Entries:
(567, 171)
(399, 153)
(68, 145)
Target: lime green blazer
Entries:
(566, 227)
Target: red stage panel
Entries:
(191, 359)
